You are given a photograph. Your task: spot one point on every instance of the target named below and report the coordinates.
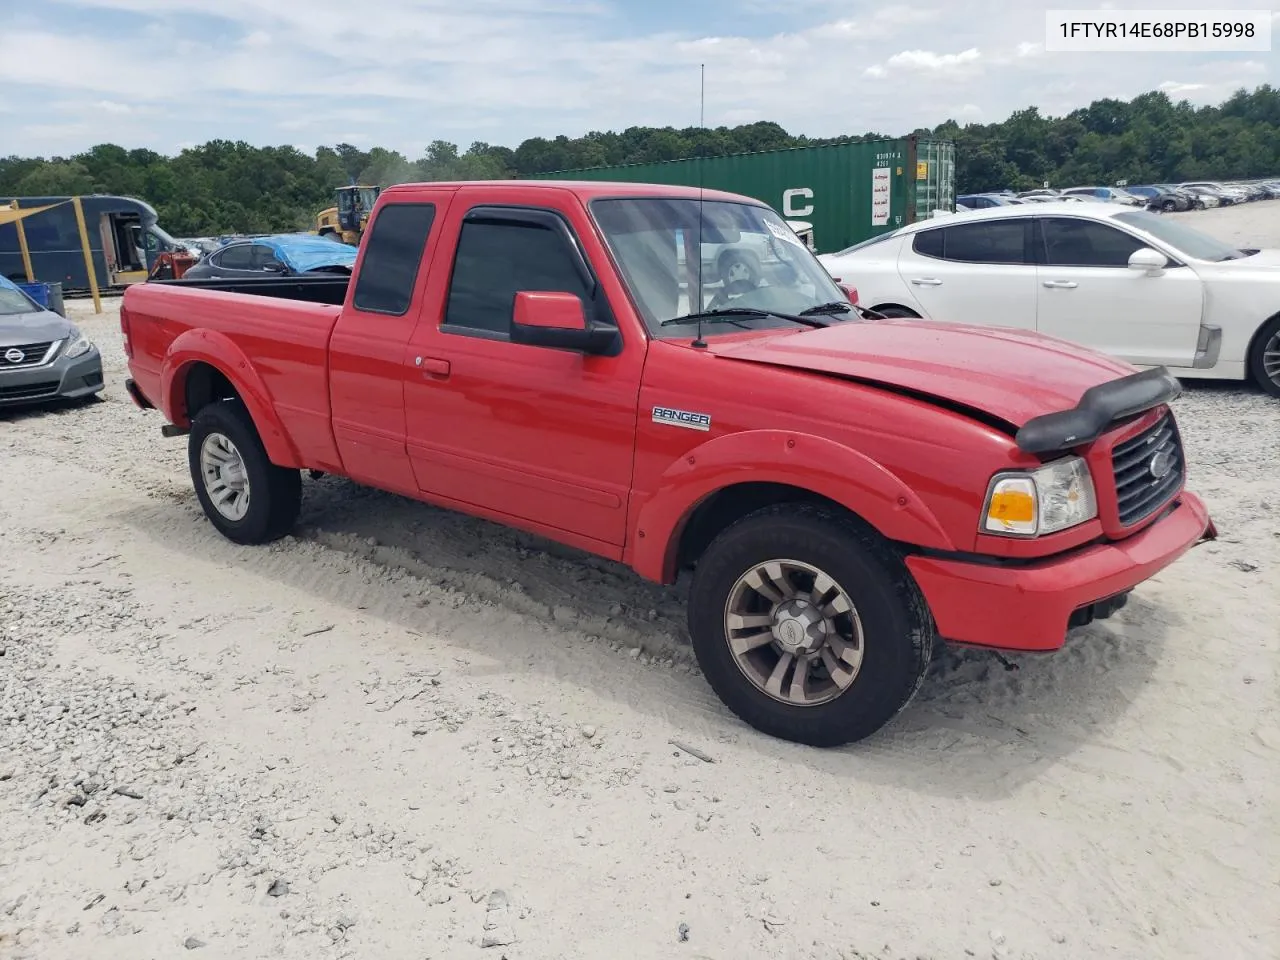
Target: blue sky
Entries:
(400, 73)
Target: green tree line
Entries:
(224, 186)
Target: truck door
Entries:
(366, 351)
(538, 436)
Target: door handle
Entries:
(927, 282)
(432, 366)
(1061, 284)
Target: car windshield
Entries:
(862, 245)
(14, 302)
(684, 256)
(167, 242)
(1186, 240)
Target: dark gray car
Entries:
(42, 356)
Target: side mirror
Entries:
(557, 320)
(1151, 262)
(850, 292)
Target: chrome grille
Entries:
(22, 355)
(1148, 470)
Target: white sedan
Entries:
(1142, 287)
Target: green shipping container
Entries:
(850, 192)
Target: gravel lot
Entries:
(404, 733)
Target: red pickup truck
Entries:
(564, 358)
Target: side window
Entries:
(263, 257)
(992, 241)
(496, 260)
(928, 243)
(1085, 243)
(393, 253)
(239, 257)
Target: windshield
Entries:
(867, 243)
(166, 242)
(1186, 240)
(683, 256)
(14, 302)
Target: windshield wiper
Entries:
(731, 315)
(835, 306)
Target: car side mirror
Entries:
(273, 266)
(1151, 262)
(850, 292)
(558, 320)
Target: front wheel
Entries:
(808, 626)
(1264, 358)
(246, 496)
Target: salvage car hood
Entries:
(35, 327)
(1014, 375)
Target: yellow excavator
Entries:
(346, 222)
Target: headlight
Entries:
(1035, 502)
(77, 345)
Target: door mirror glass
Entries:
(557, 320)
(1146, 260)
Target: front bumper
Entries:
(1029, 607)
(62, 379)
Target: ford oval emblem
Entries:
(1160, 464)
(14, 355)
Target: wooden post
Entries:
(22, 245)
(88, 255)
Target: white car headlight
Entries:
(77, 345)
(1031, 503)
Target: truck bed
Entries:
(329, 289)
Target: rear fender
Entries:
(220, 352)
(800, 460)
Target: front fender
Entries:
(220, 351)
(809, 462)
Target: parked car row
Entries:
(1159, 197)
(1118, 279)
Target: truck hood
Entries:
(1013, 375)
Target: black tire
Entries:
(1257, 355)
(900, 312)
(897, 627)
(275, 493)
(1169, 206)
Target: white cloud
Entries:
(928, 61)
(412, 71)
(1175, 89)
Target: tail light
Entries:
(850, 292)
(124, 331)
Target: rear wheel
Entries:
(1264, 358)
(246, 496)
(808, 626)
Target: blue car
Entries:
(274, 257)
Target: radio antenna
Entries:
(702, 126)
